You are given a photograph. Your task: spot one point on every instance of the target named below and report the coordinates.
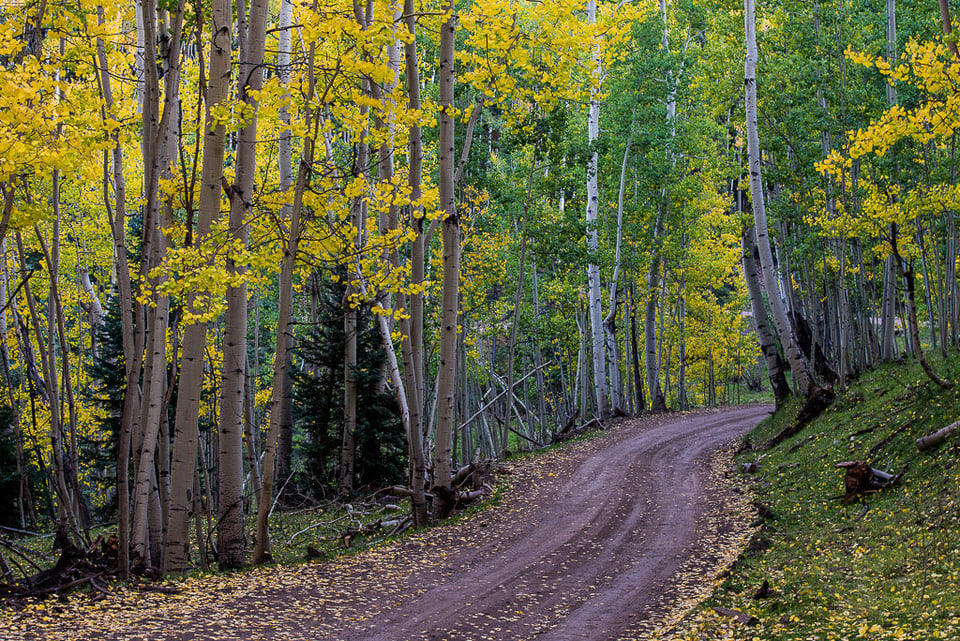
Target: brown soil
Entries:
(603, 539)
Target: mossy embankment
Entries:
(885, 565)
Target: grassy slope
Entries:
(885, 566)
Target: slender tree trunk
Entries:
(593, 211)
(447, 373)
(657, 401)
(56, 334)
(947, 27)
(194, 339)
(230, 535)
(348, 445)
(411, 328)
(635, 355)
(515, 323)
(906, 270)
(351, 327)
(284, 345)
(67, 521)
(285, 163)
(610, 322)
(798, 366)
(132, 356)
(888, 316)
(768, 343)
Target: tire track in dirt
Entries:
(597, 540)
(596, 556)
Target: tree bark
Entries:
(610, 321)
(906, 271)
(593, 210)
(657, 401)
(798, 366)
(176, 556)
(945, 24)
(284, 343)
(132, 356)
(447, 373)
(285, 164)
(768, 343)
(411, 328)
(230, 534)
(934, 439)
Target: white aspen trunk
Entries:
(798, 366)
(888, 316)
(176, 556)
(230, 526)
(96, 309)
(515, 323)
(583, 360)
(49, 389)
(610, 322)
(657, 401)
(140, 55)
(593, 209)
(641, 404)
(358, 217)
(132, 356)
(348, 443)
(412, 328)
(538, 359)
(447, 371)
(906, 271)
(146, 435)
(514, 328)
(768, 343)
(158, 145)
(682, 347)
(888, 340)
(284, 343)
(891, 25)
(285, 164)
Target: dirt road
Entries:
(599, 540)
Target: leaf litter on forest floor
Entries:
(317, 600)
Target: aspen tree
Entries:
(450, 304)
(284, 166)
(160, 121)
(284, 342)
(411, 324)
(798, 365)
(230, 534)
(191, 361)
(593, 209)
(768, 344)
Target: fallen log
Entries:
(934, 439)
(593, 423)
(462, 474)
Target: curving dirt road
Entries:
(595, 541)
(596, 553)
